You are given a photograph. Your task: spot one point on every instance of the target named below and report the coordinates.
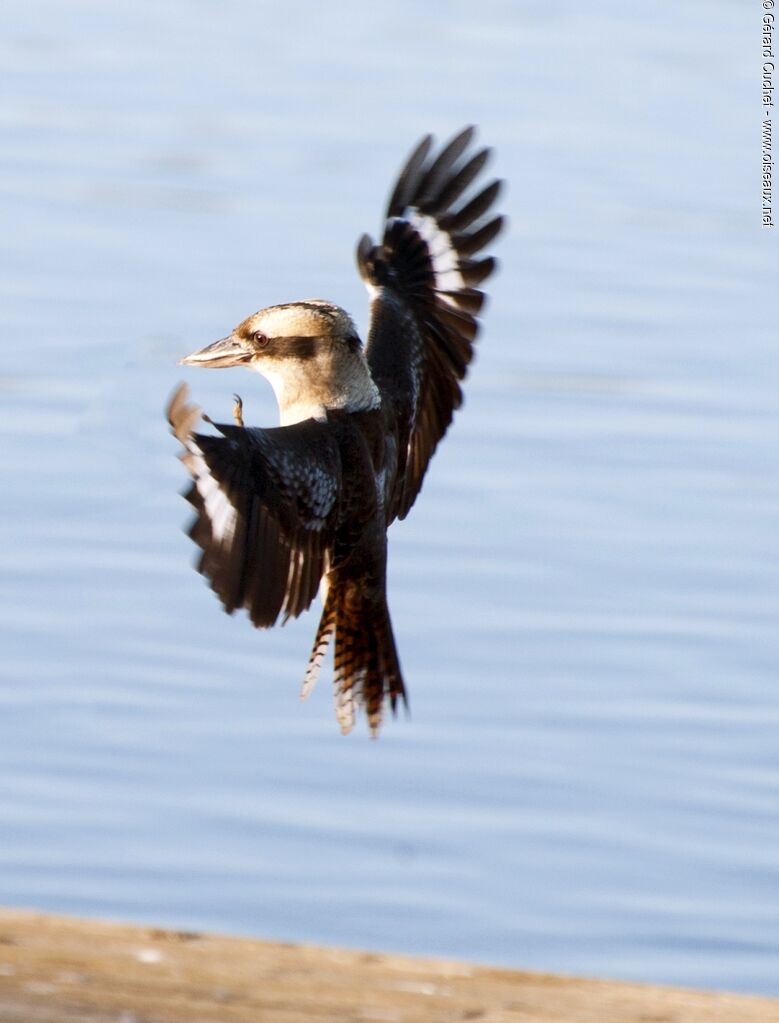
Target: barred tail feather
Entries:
(323, 634)
(366, 666)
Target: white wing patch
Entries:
(221, 514)
(443, 254)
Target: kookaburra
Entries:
(283, 512)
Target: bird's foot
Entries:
(238, 411)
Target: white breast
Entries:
(292, 408)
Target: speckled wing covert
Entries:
(423, 282)
(266, 503)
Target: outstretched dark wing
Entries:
(266, 503)
(423, 281)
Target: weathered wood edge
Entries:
(64, 970)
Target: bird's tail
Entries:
(366, 664)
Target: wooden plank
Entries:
(61, 970)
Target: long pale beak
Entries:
(229, 351)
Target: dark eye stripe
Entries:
(294, 347)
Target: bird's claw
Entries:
(238, 411)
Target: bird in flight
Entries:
(286, 511)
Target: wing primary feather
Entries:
(409, 177)
(474, 209)
(474, 271)
(468, 299)
(454, 188)
(441, 167)
(467, 244)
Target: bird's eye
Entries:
(260, 338)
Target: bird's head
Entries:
(297, 331)
(309, 351)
